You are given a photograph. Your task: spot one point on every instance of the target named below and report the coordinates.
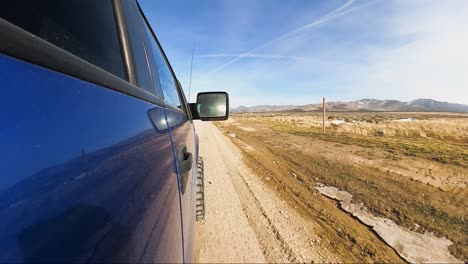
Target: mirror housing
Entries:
(211, 106)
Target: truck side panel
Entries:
(85, 174)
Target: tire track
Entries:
(272, 242)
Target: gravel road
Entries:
(245, 220)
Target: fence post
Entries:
(324, 113)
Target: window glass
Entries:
(166, 79)
(85, 28)
(139, 53)
(149, 53)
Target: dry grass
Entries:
(429, 126)
(439, 137)
(454, 129)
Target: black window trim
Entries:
(18, 43)
(124, 39)
(183, 102)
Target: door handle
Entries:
(184, 159)
(185, 163)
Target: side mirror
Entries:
(211, 106)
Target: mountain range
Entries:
(418, 105)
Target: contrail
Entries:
(319, 21)
(340, 11)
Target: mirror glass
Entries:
(212, 105)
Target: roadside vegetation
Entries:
(407, 167)
(439, 137)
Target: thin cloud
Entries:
(340, 11)
(249, 55)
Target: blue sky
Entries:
(298, 51)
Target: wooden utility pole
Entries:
(324, 113)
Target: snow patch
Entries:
(337, 122)
(403, 120)
(413, 247)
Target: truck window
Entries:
(166, 79)
(85, 28)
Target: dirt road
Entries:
(245, 220)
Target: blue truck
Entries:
(98, 150)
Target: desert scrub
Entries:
(440, 129)
(441, 150)
(445, 128)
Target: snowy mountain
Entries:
(423, 105)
